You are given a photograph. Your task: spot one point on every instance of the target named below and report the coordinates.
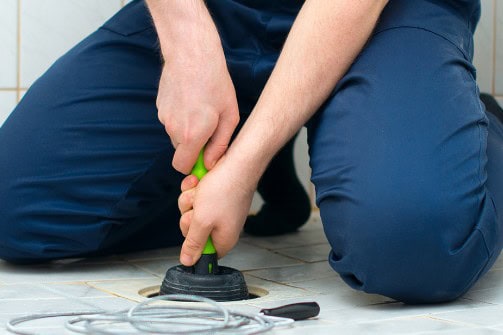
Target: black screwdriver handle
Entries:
(206, 265)
(297, 311)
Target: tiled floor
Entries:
(272, 265)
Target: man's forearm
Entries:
(185, 28)
(196, 100)
(324, 41)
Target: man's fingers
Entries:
(195, 240)
(189, 182)
(186, 200)
(219, 141)
(185, 157)
(185, 220)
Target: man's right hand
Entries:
(196, 100)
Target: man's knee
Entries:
(15, 246)
(34, 227)
(413, 248)
(22, 244)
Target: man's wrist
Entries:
(251, 152)
(184, 26)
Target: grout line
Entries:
(146, 270)
(18, 53)
(13, 89)
(68, 295)
(281, 283)
(455, 322)
(307, 244)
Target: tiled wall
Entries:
(33, 33)
(489, 48)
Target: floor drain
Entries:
(153, 291)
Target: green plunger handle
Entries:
(208, 263)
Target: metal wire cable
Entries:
(167, 314)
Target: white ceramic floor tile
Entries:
(111, 259)
(244, 257)
(343, 299)
(310, 233)
(386, 311)
(128, 289)
(299, 329)
(492, 279)
(489, 288)
(314, 222)
(295, 273)
(486, 316)
(327, 285)
(360, 329)
(48, 330)
(249, 257)
(330, 304)
(275, 291)
(156, 267)
(304, 236)
(26, 307)
(18, 308)
(46, 291)
(165, 253)
(465, 331)
(499, 329)
(68, 273)
(421, 324)
(307, 253)
(243, 308)
(498, 264)
(319, 330)
(417, 325)
(113, 283)
(110, 304)
(56, 326)
(491, 295)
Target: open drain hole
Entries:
(153, 291)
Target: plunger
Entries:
(205, 278)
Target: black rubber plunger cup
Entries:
(206, 278)
(224, 284)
